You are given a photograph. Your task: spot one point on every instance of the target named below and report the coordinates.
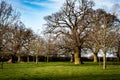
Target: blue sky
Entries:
(33, 11)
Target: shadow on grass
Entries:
(60, 71)
(43, 64)
(74, 77)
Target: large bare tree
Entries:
(14, 37)
(20, 39)
(72, 21)
(8, 16)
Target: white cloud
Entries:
(106, 4)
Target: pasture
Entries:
(60, 71)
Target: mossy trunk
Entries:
(95, 58)
(77, 56)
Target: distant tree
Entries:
(48, 47)
(65, 46)
(29, 36)
(19, 39)
(118, 52)
(107, 32)
(7, 17)
(93, 40)
(72, 21)
(7, 36)
(51, 47)
(17, 42)
(37, 46)
(116, 46)
(115, 9)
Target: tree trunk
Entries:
(72, 58)
(118, 57)
(36, 59)
(77, 56)
(28, 59)
(118, 53)
(95, 58)
(104, 61)
(2, 63)
(19, 58)
(47, 58)
(80, 58)
(33, 58)
(10, 60)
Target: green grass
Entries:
(60, 71)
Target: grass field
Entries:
(60, 71)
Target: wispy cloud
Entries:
(57, 1)
(50, 4)
(33, 11)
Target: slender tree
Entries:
(19, 39)
(29, 36)
(37, 47)
(107, 32)
(93, 40)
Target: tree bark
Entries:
(95, 58)
(19, 58)
(104, 61)
(77, 56)
(80, 58)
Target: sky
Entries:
(34, 11)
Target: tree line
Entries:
(83, 28)
(14, 36)
(76, 27)
(16, 40)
